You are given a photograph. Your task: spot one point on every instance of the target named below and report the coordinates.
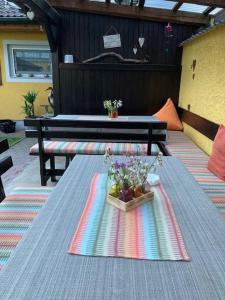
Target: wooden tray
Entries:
(135, 202)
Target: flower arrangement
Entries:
(129, 178)
(112, 107)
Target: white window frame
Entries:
(22, 45)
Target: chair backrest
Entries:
(88, 130)
(5, 164)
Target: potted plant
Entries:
(28, 107)
(112, 107)
(128, 185)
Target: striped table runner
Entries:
(147, 232)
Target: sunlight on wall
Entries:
(10, 92)
(206, 92)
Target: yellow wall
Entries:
(206, 93)
(10, 92)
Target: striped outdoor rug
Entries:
(196, 162)
(147, 232)
(17, 212)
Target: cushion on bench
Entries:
(60, 147)
(17, 212)
(196, 161)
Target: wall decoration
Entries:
(119, 57)
(193, 66)
(112, 40)
(168, 31)
(135, 50)
(141, 41)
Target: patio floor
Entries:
(25, 170)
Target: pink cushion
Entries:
(216, 162)
(62, 147)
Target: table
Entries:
(41, 268)
(100, 118)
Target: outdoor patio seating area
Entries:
(112, 149)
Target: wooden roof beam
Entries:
(146, 13)
(141, 3)
(41, 8)
(46, 15)
(177, 6)
(208, 10)
(216, 3)
(20, 28)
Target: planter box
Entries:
(7, 126)
(135, 202)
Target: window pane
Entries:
(33, 62)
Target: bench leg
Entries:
(68, 161)
(43, 170)
(52, 167)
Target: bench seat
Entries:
(17, 211)
(196, 162)
(95, 148)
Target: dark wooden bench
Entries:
(90, 142)
(5, 164)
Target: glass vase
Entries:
(114, 114)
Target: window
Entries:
(28, 62)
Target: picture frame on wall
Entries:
(112, 38)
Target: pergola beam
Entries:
(19, 27)
(141, 3)
(46, 15)
(216, 3)
(177, 6)
(146, 13)
(208, 10)
(41, 7)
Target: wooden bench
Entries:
(196, 161)
(90, 142)
(5, 164)
(17, 212)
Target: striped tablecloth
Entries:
(41, 267)
(148, 232)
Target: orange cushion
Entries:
(169, 114)
(216, 162)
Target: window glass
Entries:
(29, 61)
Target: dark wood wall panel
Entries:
(144, 90)
(204, 126)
